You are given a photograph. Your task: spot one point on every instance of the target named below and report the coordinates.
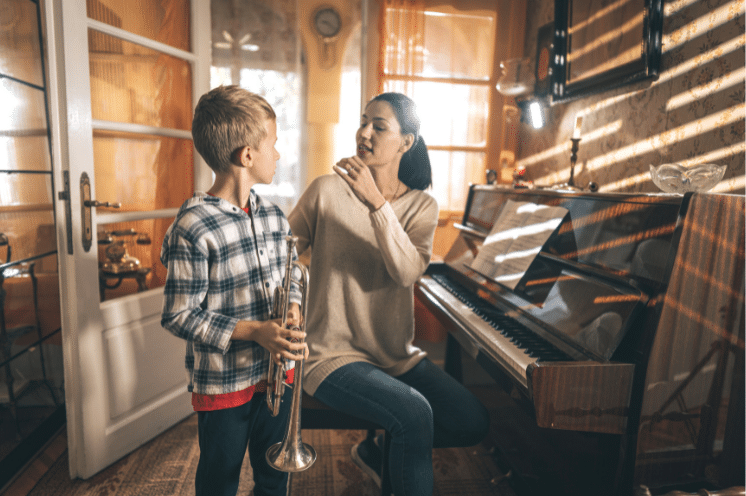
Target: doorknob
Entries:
(85, 210)
(96, 203)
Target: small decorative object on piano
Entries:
(520, 178)
(675, 178)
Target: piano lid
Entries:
(622, 234)
(593, 276)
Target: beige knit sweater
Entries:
(363, 269)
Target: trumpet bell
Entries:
(288, 456)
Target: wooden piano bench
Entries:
(316, 415)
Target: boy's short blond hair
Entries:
(228, 118)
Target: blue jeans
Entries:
(223, 436)
(422, 409)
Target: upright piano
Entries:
(618, 356)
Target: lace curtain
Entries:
(402, 40)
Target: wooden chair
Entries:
(316, 415)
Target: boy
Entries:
(225, 253)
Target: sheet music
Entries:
(517, 236)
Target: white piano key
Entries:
(494, 344)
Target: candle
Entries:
(578, 123)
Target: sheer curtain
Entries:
(442, 57)
(402, 41)
(257, 45)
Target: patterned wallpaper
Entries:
(693, 114)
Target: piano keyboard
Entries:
(503, 338)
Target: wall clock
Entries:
(327, 22)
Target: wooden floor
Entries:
(35, 470)
(27, 479)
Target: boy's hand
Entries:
(271, 336)
(294, 318)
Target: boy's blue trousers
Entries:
(223, 437)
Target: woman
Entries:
(370, 227)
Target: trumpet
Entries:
(290, 454)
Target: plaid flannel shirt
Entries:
(219, 272)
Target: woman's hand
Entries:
(357, 175)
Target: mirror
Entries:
(601, 44)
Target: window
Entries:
(257, 47)
(443, 60)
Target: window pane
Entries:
(29, 229)
(448, 46)
(29, 286)
(130, 83)
(403, 38)
(20, 54)
(451, 114)
(452, 174)
(166, 21)
(23, 128)
(142, 172)
(19, 299)
(129, 257)
(32, 191)
(281, 90)
(458, 46)
(256, 45)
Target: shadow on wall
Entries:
(693, 114)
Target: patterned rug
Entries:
(166, 466)
(458, 471)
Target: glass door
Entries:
(126, 76)
(31, 374)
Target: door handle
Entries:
(85, 210)
(96, 203)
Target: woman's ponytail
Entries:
(414, 168)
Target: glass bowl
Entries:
(675, 178)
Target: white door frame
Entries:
(103, 424)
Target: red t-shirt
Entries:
(210, 402)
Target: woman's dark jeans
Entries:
(422, 409)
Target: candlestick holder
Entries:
(573, 159)
(570, 184)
